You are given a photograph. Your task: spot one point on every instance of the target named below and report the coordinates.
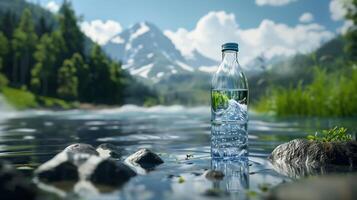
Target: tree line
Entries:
(57, 60)
(333, 88)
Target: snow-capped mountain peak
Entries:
(146, 52)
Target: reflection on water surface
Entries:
(30, 138)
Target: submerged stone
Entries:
(13, 185)
(81, 148)
(145, 159)
(214, 175)
(317, 188)
(104, 171)
(80, 162)
(107, 150)
(59, 168)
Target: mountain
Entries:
(17, 6)
(146, 52)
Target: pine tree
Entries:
(4, 49)
(104, 82)
(351, 35)
(48, 59)
(82, 73)
(23, 44)
(43, 26)
(67, 80)
(8, 23)
(70, 30)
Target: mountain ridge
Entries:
(146, 52)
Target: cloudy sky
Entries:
(269, 27)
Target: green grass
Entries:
(20, 99)
(335, 134)
(328, 95)
(49, 102)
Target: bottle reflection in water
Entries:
(229, 112)
(236, 179)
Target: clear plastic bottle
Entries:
(229, 108)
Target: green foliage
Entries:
(49, 102)
(105, 83)
(351, 35)
(4, 45)
(219, 100)
(47, 55)
(3, 81)
(335, 134)
(24, 44)
(328, 95)
(68, 81)
(20, 99)
(74, 38)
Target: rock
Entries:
(317, 188)
(13, 185)
(214, 175)
(145, 159)
(301, 157)
(300, 152)
(107, 150)
(59, 168)
(106, 172)
(215, 192)
(81, 148)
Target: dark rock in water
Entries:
(145, 159)
(59, 168)
(214, 175)
(315, 154)
(215, 192)
(13, 185)
(81, 148)
(107, 150)
(317, 188)
(301, 157)
(106, 172)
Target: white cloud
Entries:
(344, 28)
(337, 9)
(100, 31)
(52, 6)
(269, 37)
(118, 40)
(306, 18)
(273, 2)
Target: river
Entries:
(29, 138)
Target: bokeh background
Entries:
(299, 55)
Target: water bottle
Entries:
(229, 108)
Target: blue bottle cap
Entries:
(230, 46)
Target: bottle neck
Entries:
(229, 57)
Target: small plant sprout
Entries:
(336, 134)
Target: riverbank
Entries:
(21, 99)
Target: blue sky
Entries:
(172, 14)
(272, 27)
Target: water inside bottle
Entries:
(229, 136)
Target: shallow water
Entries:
(30, 138)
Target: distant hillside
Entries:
(17, 6)
(291, 71)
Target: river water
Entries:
(180, 135)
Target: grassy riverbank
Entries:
(23, 99)
(329, 94)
